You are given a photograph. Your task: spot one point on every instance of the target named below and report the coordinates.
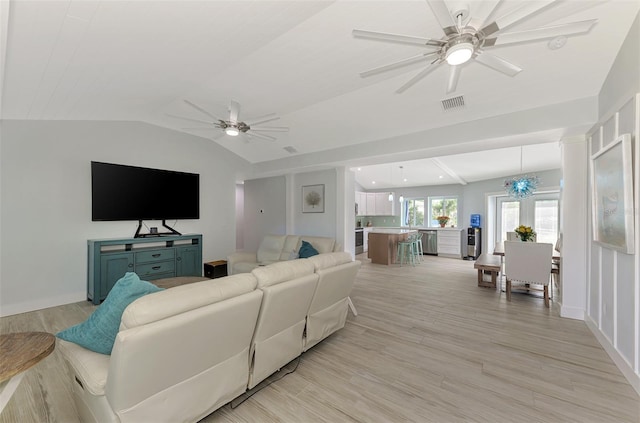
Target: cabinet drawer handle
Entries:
(156, 267)
(156, 255)
(179, 258)
(130, 265)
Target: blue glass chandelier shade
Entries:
(520, 187)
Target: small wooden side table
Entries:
(20, 351)
(215, 269)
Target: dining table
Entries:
(499, 251)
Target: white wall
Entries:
(46, 200)
(265, 204)
(274, 206)
(613, 282)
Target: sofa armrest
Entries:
(240, 257)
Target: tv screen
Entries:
(120, 192)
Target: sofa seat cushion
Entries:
(270, 248)
(281, 272)
(90, 367)
(98, 332)
(244, 267)
(181, 299)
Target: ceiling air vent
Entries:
(453, 103)
(290, 149)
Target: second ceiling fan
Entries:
(233, 126)
(466, 39)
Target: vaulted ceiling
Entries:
(139, 61)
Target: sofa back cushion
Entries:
(320, 243)
(183, 298)
(323, 261)
(270, 248)
(290, 248)
(282, 271)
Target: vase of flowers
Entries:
(442, 220)
(525, 233)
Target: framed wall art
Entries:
(313, 198)
(612, 195)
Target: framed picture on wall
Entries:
(612, 195)
(313, 198)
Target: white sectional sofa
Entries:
(183, 352)
(274, 248)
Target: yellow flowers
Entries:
(525, 233)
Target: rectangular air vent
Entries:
(453, 103)
(290, 149)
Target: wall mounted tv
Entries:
(120, 192)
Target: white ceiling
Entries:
(138, 61)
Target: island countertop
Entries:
(395, 231)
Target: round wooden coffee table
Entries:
(20, 351)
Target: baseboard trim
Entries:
(572, 312)
(618, 359)
(11, 309)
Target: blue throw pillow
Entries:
(98, 332)
(307, 250)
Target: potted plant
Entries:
(525, 233)
(442, 220)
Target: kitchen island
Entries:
(383, 244)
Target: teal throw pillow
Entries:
(307, 250)
(98, 332)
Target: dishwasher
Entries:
(429, 242)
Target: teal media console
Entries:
(151, 258)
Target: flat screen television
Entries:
(120, 192)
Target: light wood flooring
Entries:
(428, 345)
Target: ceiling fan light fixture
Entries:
(231, 131)
(459, 53)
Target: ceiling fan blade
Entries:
(195, 106)
(270, 128)
(484, 11)
(397, 38)
(574, 28)
(398, 64)
(264, 119)
(454, 75)
(208, 122)
(516, 15)
(418, 76)
(234, 111)
(263, 136)
(443, 16)
(499, 64)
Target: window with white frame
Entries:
(442, 206)
(412, 212)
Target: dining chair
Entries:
(528, 263)
(555, 265)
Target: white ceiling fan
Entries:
(466, 38)
(233, 126)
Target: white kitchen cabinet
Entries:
(371, 204)
(361, 201)
(450, 242)
(374, 204)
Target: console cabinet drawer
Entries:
(150, 269)
(155, 255)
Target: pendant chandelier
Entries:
(520, 187)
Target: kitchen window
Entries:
(413, 212)
(443, 206)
